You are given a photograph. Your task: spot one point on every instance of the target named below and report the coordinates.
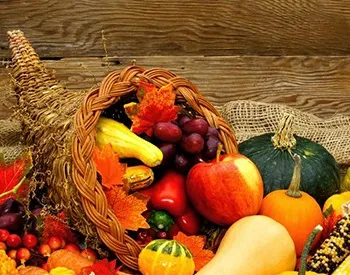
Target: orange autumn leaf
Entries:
(128, 208)
(156, 105)
(196, 244)
(108, 166)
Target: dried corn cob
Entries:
(344, 268)
(333, 250)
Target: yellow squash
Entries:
(125, 143)
(337, 200)
(345, 184)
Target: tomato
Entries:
(63, 243)
(72, 247)
(55, 243)
(89, 254)
(29, 240)
(12, 254)
(13, 241)
(4, 235)
(45, 250)
(23, 255)
(3, 246)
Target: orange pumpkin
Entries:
(296, 210)
(32, 270)
(67, 259)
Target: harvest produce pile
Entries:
(191, 206)
(158, 176)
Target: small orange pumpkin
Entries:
(296, 210)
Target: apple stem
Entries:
(218, 152)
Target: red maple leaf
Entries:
(329, 221)
(108, 166)
(156, 105)
(102, 267)
(13, 177)
(196, 244)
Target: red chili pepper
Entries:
(169, 194)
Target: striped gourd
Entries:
(166, 257)
(333, 250)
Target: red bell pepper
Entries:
(169, 194)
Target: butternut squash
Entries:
(253, 245)
(125, 143)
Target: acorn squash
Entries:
(272, 154)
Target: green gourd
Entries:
(272, 154)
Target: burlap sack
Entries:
(249, 118)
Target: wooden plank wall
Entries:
(293, 52)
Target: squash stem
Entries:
(294, 187)
(306, 249)
(218, 152)
(284, 138)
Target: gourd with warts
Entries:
(272, 152)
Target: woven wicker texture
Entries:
(63, 150)
(46, 110)
(11, 146)
(250, 119)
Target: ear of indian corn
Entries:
(344, 268)
(333, 250)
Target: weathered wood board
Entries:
(198, 27)
(320, 85)
(292, 52)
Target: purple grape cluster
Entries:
(186, 141)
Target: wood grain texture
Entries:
(198, 27)
(319, 85)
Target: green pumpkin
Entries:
(272, 154)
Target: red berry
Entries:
(29, 240)
(148, 240)
(161, 235)
(142, 235)
(89, 254)
(45, 250)
(44, 266)
(4, 235)
(63, 243)
(55, 243)
(72, 247)
(23, 254)
(13, 241)
(3, 246)
(12, 254)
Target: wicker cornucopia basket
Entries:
(60, 127)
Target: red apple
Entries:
(225, 190)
